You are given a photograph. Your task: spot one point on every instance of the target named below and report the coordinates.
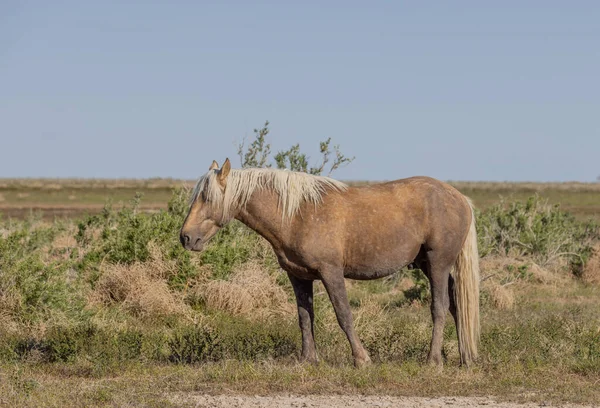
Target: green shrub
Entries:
(233, 339)
(122, 236)
(32, 288)
(537, 230)
(108, 347)
(258, 154)
(234, 245)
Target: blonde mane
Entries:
(293, 188)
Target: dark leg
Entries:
(303, 289)
(440, 303)
(333, 280)
(452, 300)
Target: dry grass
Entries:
(9, 306)
(543, 275)
(502, 297)
(500, 267)
(504, 277)
(591, 273)
(66, 240)
(61, 248)
(251, 291)
(370, 320)
(369, 316)
(141, 288)
(155, 386)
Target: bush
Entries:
(186, 344)
(123, 236)
(233, 246)
(233, 339)
(33, 289)
(537, 230)
(258, 154)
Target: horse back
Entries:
(373, 230)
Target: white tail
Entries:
(466, 295)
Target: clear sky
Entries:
(461, 90)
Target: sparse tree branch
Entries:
(257, 154)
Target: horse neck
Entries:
(262, 214)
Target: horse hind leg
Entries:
(438, 272)
(452, 301)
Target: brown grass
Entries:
(156, 385)
(66, 240)
(502, 297)
(251, 291)
(372, 321)
(140, 288)
(61, 248)
(591, 273)
(543, 275)
(503, 279)
(9, 307)
(368, 319)
(498, 267)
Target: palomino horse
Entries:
(323, 229)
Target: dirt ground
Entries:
(345, 401)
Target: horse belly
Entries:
(368, 274)
(297, 269)
(378, 263)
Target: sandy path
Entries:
(344, 401)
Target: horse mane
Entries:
(293, 188)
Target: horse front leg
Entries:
(333, 280)
(303, 289)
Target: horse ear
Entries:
(214, 165)
(224, 172)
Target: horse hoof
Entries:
(362, 362)
(309, 360)
(435, 362)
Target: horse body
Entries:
(361, 233)
(370, 231)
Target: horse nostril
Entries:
(184, 238)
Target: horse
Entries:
(322, 229)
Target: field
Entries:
(74, 197)
(100, 306)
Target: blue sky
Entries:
(464, 90)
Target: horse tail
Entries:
(466, 294)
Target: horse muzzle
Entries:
(190, 242)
